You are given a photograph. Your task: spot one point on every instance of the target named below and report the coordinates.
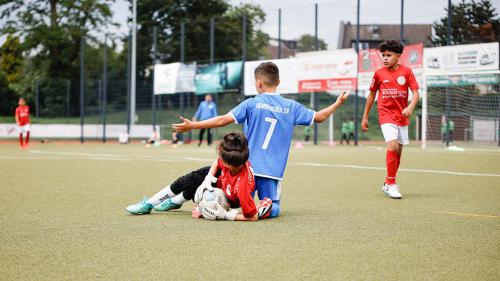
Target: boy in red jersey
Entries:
(392, 82)
(23, 122)
(231, 172)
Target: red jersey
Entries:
(238, 188)
(392, 87)
(23, 114)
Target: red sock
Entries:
(21, 139)
(399, 162)
(391, 161)
(28, 138)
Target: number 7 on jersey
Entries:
(269, 132)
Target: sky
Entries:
(297, 16)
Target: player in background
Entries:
(231, 172)
(207, 109)
(23, 122)
(269, 120)
(392, 82)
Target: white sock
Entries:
(161, 196)
(179, 199)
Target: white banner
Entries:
(174, 78)
(472, 57)
(326, 71)
(90, 131)
(288, 76)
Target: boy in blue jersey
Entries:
(269, 121)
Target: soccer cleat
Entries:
(392, 190)
(167, 205)
(264, 208)
(140, 208)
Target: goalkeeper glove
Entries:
(205, 185)
(219, 213)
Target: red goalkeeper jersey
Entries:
(23, 114)
(239, 187)
(392, 87)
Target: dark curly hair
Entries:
(233, 149)
(392, 45)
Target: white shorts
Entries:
(23, 129)
(394, 132)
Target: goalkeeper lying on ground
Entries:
(231, 172)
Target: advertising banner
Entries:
(310, 73)
(469, 58)
(462, 80)
(218, 77)
(330, 73)
(412, 57)
(370, 60)
(174, 78)
(288, 76)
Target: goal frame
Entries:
(424, 96)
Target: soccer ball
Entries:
(210, 198)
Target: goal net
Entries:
(462, 109)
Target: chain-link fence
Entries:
(112, 108)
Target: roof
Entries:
(376, 33)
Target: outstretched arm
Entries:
(322, 115)
(188, 125)
(369, 103)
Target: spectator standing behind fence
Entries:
(307, 134)
(450, 127)
(447, 128)
(443, 129)
(345, 132)
(206, 110)
(350, 129)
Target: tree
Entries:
(7, 96)
(471, 22)
(306, 43)
(168, 15)
(11, 59)
(51, 33)
(257, 40)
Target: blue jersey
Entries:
(206, 110)
(269, 120)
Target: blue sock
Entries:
(276, 210)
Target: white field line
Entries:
(455, 173)
(198, 159)
(31, 158)
(98, 156)
(486, 151)
(467, 214)
(108, 159)
(74, 153)
(117, 157)
(359, 167)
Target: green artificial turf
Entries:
(62, 217)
